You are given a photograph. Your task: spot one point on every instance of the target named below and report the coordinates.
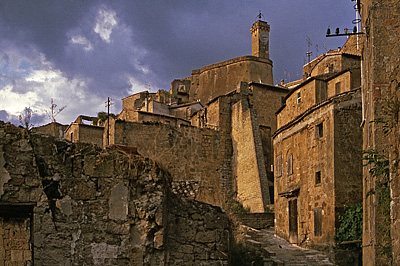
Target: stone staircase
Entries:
(278, 252)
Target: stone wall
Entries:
(255, 220)
(348, 81)
(53, 129)
(248, 167)
(85, 133)
(380, 23)
(15, 241)
(348, 154)
(192, 155)
(90, 206)
(221, 78)
(198, 234)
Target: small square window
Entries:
(299, 97)
(318, 177)
(319, 130)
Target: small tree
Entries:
(25, 118)
(52, 113)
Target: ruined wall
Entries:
(98, 207)
(85, 133)
(53, 129)
(198, 234)
(135, 101)
(148, 117)
(218, 79)
(158, 108)
(192, 155)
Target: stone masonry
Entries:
(380, 22)
(76, 204)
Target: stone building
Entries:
(380, 22)
(212, 131)
(53, 129)
(225, 153)
(317, 145)
(218, 79)
(79, 131)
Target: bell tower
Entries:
(260, 38)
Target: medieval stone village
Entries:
(225, 168)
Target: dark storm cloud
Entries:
(154, 42)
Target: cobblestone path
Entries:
(279, 252)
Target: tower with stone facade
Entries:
(260, 39)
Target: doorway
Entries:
(293, 228)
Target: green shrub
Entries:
(350, 228)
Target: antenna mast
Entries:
(309, 53)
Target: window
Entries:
(278, 165)
(181, 88)
(318, 177)
(299, 97)
(318, 222)
(290, 164)
(337, 88)
(319, 130)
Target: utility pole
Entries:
(109, 102)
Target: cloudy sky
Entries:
(79, 52)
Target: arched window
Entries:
(290, 164)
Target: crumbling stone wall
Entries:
(99, 207)
(198, 234)
(85, 133)
(53, 129)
